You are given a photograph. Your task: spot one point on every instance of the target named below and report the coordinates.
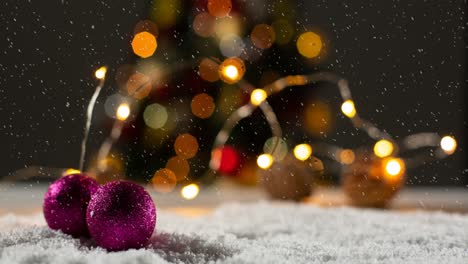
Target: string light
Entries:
(348, 108)
(448, 144)
(383, 148)
(346, 156)
(123, 112)
(190, 191)
(101, 73)
(258, 96)
(231, 70)
(394, 168)
(302, 151)
(265, 161)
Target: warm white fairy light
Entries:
(394, 167)
(101, 73)
(348, 108)
(448, 144)
(190, 191)
(302, 151)
(231, 72)
(123, 112)
(258, 96)
(265, 161)
(383, 148)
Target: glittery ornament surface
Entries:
(65, 204)
(121, 215)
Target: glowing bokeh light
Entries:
(383, 148)
(139, 85)
(228, 26)
(318, 118)
(144, 44)
(179, 166)
(225, 160)
(155, 116)
(123, 112)
(346, 156)
(202, 105)
(231, 70)
(258, 96)
(309, 44)
(448, 144)
(164, 180)
(302, 151)
(186, 146)
(208, 70)
(281, 150)
(284, 31)
(263, 36)
(394, 169)
(101, 73)
(231, 45)
(204, 24)
(219, 8)
(190, 191)
(348, 108)
(265, 161)
(166, 12)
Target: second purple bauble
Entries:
(121, 215)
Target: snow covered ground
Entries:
(260, 232)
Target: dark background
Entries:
(405, 63)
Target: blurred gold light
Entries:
(264, 161)
(123, 112)
(155, 116)
(166, 12)
(383, 148)
(101, 73)
(394, 168)
(346, 156)
(202, 105)
(71, 171)
(263, 36)
(144, 44)
(318, 118)
(164, 180)
(448, 144)
(231, 70)
(179, 166)
(348, 108)
(190, 191)
(258, 96)
(302, 151)
(139, 85)
(203, 24)
(208, 70)
(309, 44)
(219, 8)
(186, 146)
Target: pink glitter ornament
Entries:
(121, 215)
(65, 204)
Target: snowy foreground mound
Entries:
(259, 233)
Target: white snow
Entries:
(262, 232)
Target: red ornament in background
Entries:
(225, 160)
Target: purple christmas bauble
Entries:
(65, 204)
(121, 215)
